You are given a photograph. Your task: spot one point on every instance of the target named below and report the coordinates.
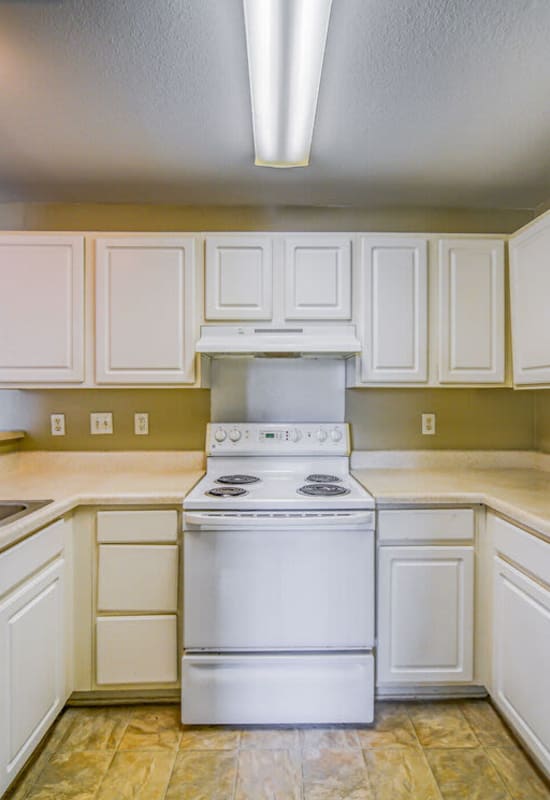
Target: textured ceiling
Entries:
(422, 102)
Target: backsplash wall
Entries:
(381, 419)
(542, 416)
(177, 417)
(466, 419)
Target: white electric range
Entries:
(278, 580)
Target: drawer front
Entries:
(138, 578)
(525, 549)
(158, 525)
(23, 559)
(426, 525)
(269, 689)
(140, 649)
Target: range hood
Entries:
(331, 341)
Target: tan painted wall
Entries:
(542, 414)
(177, 417)
(125, 217)
(467, 419)
(381, 418)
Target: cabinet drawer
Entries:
(426, 524)
(23, 559)
(137, 649)
(525, 549)
(138, 577)
(277, 689)
(137, 526)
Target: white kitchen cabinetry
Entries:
(392, 309)
(41, 308)
(317, 277)
(521, 635)
(530, 295)
(425, 597)
(471, 311)
(239, 277)
(137, 597)
(145, 310)
(33, 644)
(278, 278)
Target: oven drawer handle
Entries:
(234, 520)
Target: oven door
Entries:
(266, 584)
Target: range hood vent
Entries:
(331, 341)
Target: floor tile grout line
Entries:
(165, 793)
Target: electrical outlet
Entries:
(57, 424)
(428, 424)
(141, 424)
(101, 423)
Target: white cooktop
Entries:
(282, 457)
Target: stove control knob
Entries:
(295, 435)
(235, 435)
(220, 435)
(336, 434)
(322, 435)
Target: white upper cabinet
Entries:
(530, 298)
(239, 277)
(317, 277)
(393, 281)
(41, 308)
(145, 310)
(471, 311)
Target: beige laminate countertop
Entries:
(521, 494)
(75, 479)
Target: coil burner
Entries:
(323, 490)
(226, 491)
(321, 478)
(237, 479)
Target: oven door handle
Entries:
(274, 519)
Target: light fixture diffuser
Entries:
(286, 44)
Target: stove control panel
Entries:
(259, 439)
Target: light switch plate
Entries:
(101, 423)
(57, 424)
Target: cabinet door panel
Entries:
(138, 577)
(32, 672)
(425, 614)
(239, 282)
(41, 309)
(317, 277)
(394, 310)
(140, 649)
(522, 655)
(471, 311)
(145, 310)
(529, 293)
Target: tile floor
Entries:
(417, 751)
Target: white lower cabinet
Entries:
(137, 649)
(521, 636)
(136, 641)
(32, 666)
(425, 614)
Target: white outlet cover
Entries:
(101, 424)
(57, 424)
(428, 424)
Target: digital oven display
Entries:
(272, 435)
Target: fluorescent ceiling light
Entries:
(286, 44)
